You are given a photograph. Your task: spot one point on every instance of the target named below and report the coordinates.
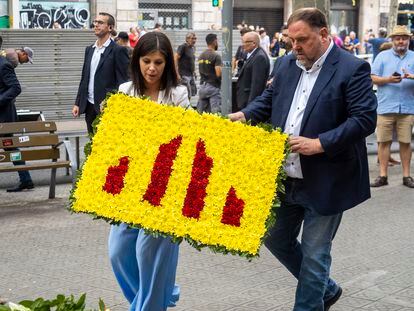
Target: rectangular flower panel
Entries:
(176, 172)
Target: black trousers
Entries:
(90, 116)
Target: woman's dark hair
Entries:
(151, 42)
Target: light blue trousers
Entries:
(144, 267)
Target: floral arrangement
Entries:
(177, 173)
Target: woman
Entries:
(145, 266)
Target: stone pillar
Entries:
(287, 10)
(369, 16)
(323, 5)
(14, 14)
(127, 14)
(205, 16)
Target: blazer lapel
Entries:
(248, 60)
(327, 71)
(88, 62)
(107, 51)
(292, 80)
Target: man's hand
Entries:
(237, 116)
(395, 79)
(75, 111)
(305, 146)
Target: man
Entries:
(322, 96)
(286, 45)
(209, 67)
(377, 42)
(185, 63)
(240, 56)
(354, 42)
(395, 103)
(123, 40)
(9, 90)
(255, 71)
(105, 67)
(264, 41)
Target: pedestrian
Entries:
(275, 45)
(185, 62)
(355, 42)
(240, 56)
(390, 71)
(157, 27)
(264, 41)
(323, 98)
(145, 266)
(286, 45)
(133, 37)
(253, 76)
(105, 67)
(377, 42)
(123, 40)
(9, 90)
(209, 67)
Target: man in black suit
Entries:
(9, 90)
(105, 67)
(255, 71)
(322, 97)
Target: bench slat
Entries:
(27, 127)
(35, 166)
(29, 155)
(28, 141)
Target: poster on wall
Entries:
(44, 14)
(4, 15)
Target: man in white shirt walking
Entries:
(105, 67)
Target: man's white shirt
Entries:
(300, 99)
(97, 52)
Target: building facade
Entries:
(344, 15)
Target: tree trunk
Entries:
(392, 16)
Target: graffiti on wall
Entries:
(41, 14)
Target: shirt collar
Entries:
(107, 42)
(318, 64)
(249, 54)
(398, 55)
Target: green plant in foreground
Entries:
(60, 303)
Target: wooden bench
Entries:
(38, 145)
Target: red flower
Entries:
(115, 177)
(161, 171)
(233, 209)
(196, 191)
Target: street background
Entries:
(45, 250)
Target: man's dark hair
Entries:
(382, 32)
(311, 16)
(111, 19)
(210, 38)
(123, 35)
(284, 27)
(261, 31)
(244, 30)
(152, 42)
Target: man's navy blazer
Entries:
(9, 90)
(112, 71)
(341, 112)
(252, 78)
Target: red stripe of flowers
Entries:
(161, 171)
(233, 209)
(114, 182)
(196, 191)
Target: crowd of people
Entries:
(318, 93)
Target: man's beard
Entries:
(401, 49)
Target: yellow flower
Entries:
(244, 158)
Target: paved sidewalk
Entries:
(45, 250)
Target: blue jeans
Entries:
(308, 260)
(144, 267)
